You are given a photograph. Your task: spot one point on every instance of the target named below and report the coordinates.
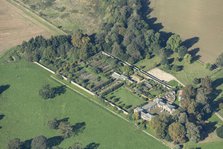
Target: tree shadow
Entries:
(151, 21)
(216, 83)
(59, 90)
(1, 116)
(207, 129)
(4, 88)
(190, 42)
(164, 37)
(54, 141)
(92, 145)
(79, 128)
(194, 54)
(27, 144)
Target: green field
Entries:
(126, 97)
(26, 114)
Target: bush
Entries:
(197, 80)
(219, 132)
(47, 92)
(53, 124)
(177, 68)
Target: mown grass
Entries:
(26, 114)
(186, 76)
(126, 97)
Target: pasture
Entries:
(16, 26)
(26, 114)
(191, 19)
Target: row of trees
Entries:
(189, 121)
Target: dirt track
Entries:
(194, 18)
(15, 26)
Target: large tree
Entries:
(39, 142)
(182, 51)
(193, 132)
(65, 129)
(177, 132)
(174, 42)
(15, 144)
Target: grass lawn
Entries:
(148, 64)
(191, 71)
(126, 97)
(26, 114)
(186, 76)
(213, 145)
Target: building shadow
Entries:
(4, 88)
(92, 145)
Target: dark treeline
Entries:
(125, 33)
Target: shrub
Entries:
(197, 80)
(219, 132)
(47, 92)
(177, 68)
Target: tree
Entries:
(188, 58)
(66, 129)
(15, 144)
(53, 124)
(193, 132)
(127, 70)
(177, 132)
(206, 84)
(197, 81)
(159, 126)
(164, 60)
(182, 51)
(76, 145)
(176, 68)
(219, 60)
(117, 50)
(174, 42)
(39, 142)
(47, 92)
(219, 132)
